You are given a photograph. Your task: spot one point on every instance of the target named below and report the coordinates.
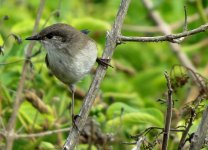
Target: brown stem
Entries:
(200, 134)
(181, 56)
(17, 136)
(166, 30)
(17, 101)
(185, 133)
(110, 46)
(154, 29)
(169, 37)
(168, 113)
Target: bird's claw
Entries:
(74, 118)
(104, 62)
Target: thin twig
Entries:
(41, 134)
(129, 143)
(168, 113)
(200, 134)
(154, 29)
(17, 136)
(169, 37)
(146, 131)
(122, 68)
(166, 30)
(111, 43)
(138, 143)
(17, 101)
(185, 28)
(185, 133)
(193, 18)
(176, 48)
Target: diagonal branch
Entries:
(200, 134)
(111, 43)
(166, 30)
(182, 57)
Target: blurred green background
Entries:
(127, 102)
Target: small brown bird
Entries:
(71, 54)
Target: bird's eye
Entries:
(49, 36)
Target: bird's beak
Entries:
(34, 37)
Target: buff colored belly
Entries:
(70, 69)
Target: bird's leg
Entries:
(72, 88)
(104, 62)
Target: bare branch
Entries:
(146, 131)
(138, 143)
(126, 69)
(190, 19)
(200, 134)
(170, 37)
(168, 113)
(37, 102)
(185, 133)
(110, 46)
(17, 136)
(154, 29)
(182, 57)
(166, 30)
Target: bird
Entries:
(70, 54)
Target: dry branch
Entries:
(32, 135)
(37, 103)
(182, 57)
(200, 135)
(170, 37)
(111, 43)
(167, 31)
(154, 29)
(168, 113)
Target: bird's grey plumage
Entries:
(71, 54)
(68, 66)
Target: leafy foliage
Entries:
(127, 102)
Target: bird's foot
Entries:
(104, 62)
(74, 118)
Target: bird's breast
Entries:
(69, 67)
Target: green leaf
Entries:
(46, 146)
(135, 119)
(28, 114)
(133, 116)
(129, 98)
